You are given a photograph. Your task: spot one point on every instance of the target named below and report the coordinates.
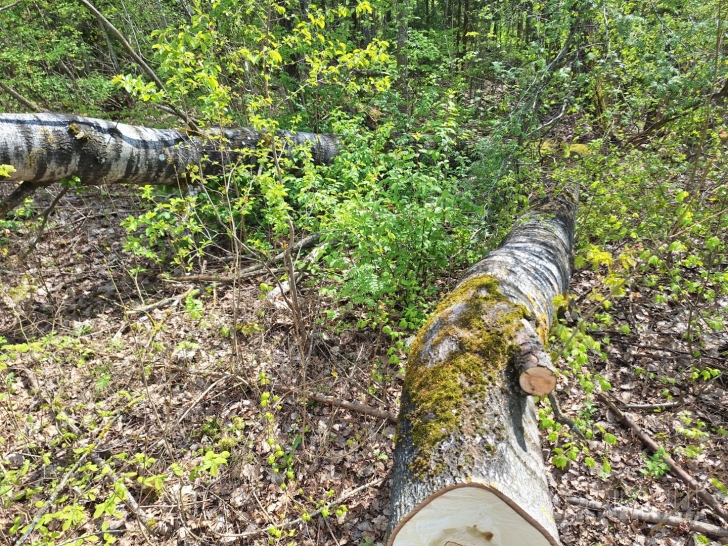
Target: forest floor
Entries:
(165, 394)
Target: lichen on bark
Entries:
(456, 359)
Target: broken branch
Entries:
(676, 469)
(623, 513)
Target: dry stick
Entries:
(284, 288)
(666, 405)
(245, 274)
(107, 532)
(10, 5)
(295, 308)
(46, 214)
(128, 499)
(559, 416)
(50, 500)
(668, 515)
(22, 192)
(253, 270)
(199, 398)
(144, 66)
(341, 499)
(112, 54)
(357, 407)
(622, 512)
(152, 306)
(17, 96)
(676, 469)
(32, 379)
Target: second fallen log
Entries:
(467, 467)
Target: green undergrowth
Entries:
(60, 425)
(394, 217)
(652, 230)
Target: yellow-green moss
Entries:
(443, 394)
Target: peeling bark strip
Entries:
(467, 467)
(46, 148)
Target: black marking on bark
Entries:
(169, 137)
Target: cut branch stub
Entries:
(537, 375)
(467, 467)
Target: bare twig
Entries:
(46, 214)
(32, 379)
(341, 499)
(624, 513)
(356, 407)
(295, 308)
(674, 467)
(61, 485)
(199, 398)
(17, 96)
(666, 405)
(112, 54)
(245, 274)
(559, 416)
(128, 499)
(11, 5)
(668, 515)
(23, 191)
(173, 300)
(257, 269)
(107, 532)
(137, 58)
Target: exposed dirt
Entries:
(214, 370)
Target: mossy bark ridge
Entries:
(46, 148)
(467, 467)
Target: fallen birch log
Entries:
(467, 467)
(45, 148)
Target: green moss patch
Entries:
(482, 323)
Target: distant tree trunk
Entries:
(458, 30)
(402, 18)
(466, 29)
(46, 148)
(467, 465)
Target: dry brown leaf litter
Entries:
(76, 283)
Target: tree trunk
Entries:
(46, 148)
(467, 467)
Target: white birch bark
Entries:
(46, 148)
